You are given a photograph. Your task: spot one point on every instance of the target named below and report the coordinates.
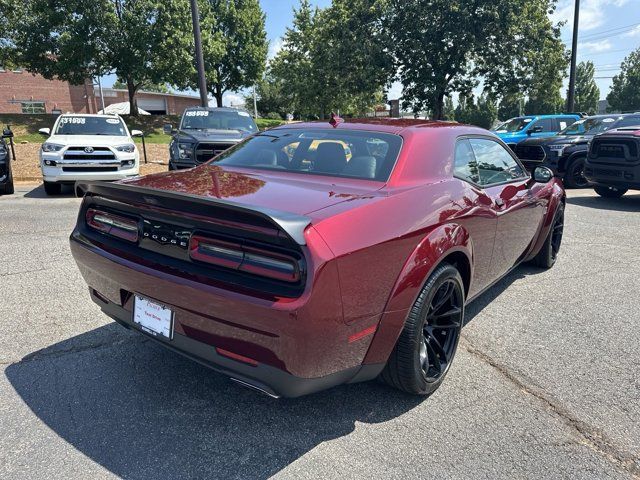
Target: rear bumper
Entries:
(264, 378)
(299, 346)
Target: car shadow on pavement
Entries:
(627, 203)
(143, 412)
(38, 192)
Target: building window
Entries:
(33, 107)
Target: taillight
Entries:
(114, 225)
(245, 259)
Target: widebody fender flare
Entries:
(433, 249)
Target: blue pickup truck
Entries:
(517, 129)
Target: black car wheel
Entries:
(574, 178)
(610, 192)
(428, 342)
(548, 254)
(52, 188)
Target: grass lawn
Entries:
(25, 127)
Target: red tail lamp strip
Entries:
(367, 331)
(114, 225)
(245, 259)
(236, 356)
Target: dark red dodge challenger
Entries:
(318, 254)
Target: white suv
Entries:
(87, 147)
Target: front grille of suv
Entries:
(614, 150)
(530, 152)
(94, 153)
(206, 151)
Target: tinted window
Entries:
(338, 153)
(79, 125)
(218, 120)
(628, 122)
(465, 165)
(494, 163)
(547, 124)
(564, 122)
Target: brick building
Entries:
(22, 92)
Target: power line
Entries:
(601, 32)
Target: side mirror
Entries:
(542, 175)
(7, 133)
(136, 133)
(535, 129)
(45, 131)
(167, 129)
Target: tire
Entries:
(610, 192)
(428, 331)
(52, 188)
(574, 177)
(548, 254)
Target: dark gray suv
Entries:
(204, 133)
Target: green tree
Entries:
(334, 59)
(141, 41)
(449, 111)
(482, 114)
(587, 92)
(147, 87)
(511, 105)
(625, 90)
(456, 42)
(272, 97)
(234, 45)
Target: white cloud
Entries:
(633, 33)
(593, 13)
(274, 47)
(595, 46)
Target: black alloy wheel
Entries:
(548, 254)
(574, 178)
(427, 344)
(441, 330)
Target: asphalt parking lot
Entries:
(546, 383)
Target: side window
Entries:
(564, 122)
(494, 163)
(465, 166)
(547, 124)
(628, 122)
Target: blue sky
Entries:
(609, 30)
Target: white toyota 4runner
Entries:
(87, 147)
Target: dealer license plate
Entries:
(153, 318)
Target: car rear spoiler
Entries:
(290, 223)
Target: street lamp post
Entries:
(572, 72)
(202, 82)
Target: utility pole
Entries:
(202, 82)
(572, 71)
(255, 103)
(101, 95)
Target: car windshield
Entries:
(78, 125)
(337, 153)
(589, 126)
(514, 125)
(222, 120)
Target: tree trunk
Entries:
(438, 106)
(132, 88)
(217, 93)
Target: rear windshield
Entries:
(337, 153)
(78, 125)
(218, 120)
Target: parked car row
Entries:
(607, 141)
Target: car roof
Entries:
(385, 125)
(110, 115)
(215, 109)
